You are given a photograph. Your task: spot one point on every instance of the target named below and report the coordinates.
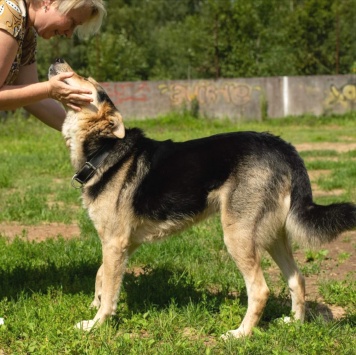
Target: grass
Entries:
(178, 296)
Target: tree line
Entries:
(211, 39)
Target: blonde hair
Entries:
(91, 26)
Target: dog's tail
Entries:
(315, 224)
(312, 224)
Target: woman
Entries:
(20, 22)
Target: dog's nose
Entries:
(59, 60)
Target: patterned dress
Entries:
(13, 19)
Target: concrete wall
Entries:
(237, 99)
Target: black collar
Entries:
(89, 168)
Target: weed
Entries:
(312, 255)
(342, 257)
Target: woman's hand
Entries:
(71, 96)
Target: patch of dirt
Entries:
(39, 232)
(314, 175)
(339, 263)
(338, 147)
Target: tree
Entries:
(191, 39)
(314, 33)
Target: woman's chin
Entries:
(45, 35)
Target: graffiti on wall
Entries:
(127, 92)
(233, 98)
(208, 93)
(344, 96)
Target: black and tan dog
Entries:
(140, 190)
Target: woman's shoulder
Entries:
(12, 16)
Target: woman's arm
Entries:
(48, 110)
(12, 97)
(35, 96)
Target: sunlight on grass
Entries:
(179, 295)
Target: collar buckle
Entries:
(83, 175)
(75, 181)
(90, 167)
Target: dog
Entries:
(139, 190)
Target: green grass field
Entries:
(179, 295)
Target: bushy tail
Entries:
(313, 224)
(307, 222)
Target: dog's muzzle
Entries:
(54, 69)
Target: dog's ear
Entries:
(117, 125)
(119, 132)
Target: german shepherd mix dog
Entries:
(138, 190)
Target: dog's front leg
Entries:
(99, 279)
(115, 255)
(98, 288)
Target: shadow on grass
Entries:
(71, 279)
(157, 288)
(160, 287)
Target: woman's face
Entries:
(49, 22)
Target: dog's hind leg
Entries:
(240, 244)
(281, 252)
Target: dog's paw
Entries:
(233, 334)
(86, 325)
(284, 320)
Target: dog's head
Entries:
(100, 117)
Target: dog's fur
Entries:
(146, 190)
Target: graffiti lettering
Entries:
(347, 92)
(126, 92)
(238, 94)
(345, 96)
